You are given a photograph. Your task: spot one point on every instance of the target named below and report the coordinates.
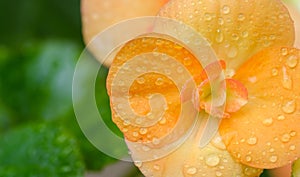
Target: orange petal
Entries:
(236, 29)
(265, 132)
(100, 14)
(157, 67)
(191, 160)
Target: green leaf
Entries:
(39, 150)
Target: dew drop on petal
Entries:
(292, 147)
(156, 167)
(285, 138)
(135, 134)
(293, 133)
(248, 158)
(281, 117)
(274, 72)
(252, 141)
(191, 171)
(219, 36)
(155, 141)
(268, 121)
(143, 131)
(252, 79)
(140, 80)
(159, 81)
(218, 173)
(207, 16)
(218, 143)
(220, 21)
(273, 158)
(286, 81)
(226, 9)
(245, 34)
(212, 160)
(289, 107)
(292, 61)
(241, 17)
(284, 51)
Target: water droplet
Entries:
(285, 138)
(273, 158)
(280, 117)
(241, 17)
(284, 51)
(187, 61)
(252, 79)
(155, 141)
(135, 134)
(245, 34)
(274, 72)
(272, 150)
(191, 171)
(219, 36)
(156, 167)
(212, 160)
(252, 141)
(268, 121)
(140, 80)
(159, 81)
(289, 107)
(218, 143)
(292, 61)
(143, 131)
(235, 37)
(220, 21)
(248, 158)
(226, 9)
(232, 52)
(287, 81)
(218, 173)
(207, 16)
(293, 133)
(292, 147)
(138, 163)
(179, 69)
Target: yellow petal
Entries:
(265, 132)
(236, 29)
(191, 160)
(98, 15)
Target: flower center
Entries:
(231, 94)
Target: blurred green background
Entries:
(40, 42)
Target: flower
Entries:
(260, 127)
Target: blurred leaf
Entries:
(39, 150)
(35, 19)
(37, 82)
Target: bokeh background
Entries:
(40, 43)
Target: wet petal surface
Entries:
(265, 132)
